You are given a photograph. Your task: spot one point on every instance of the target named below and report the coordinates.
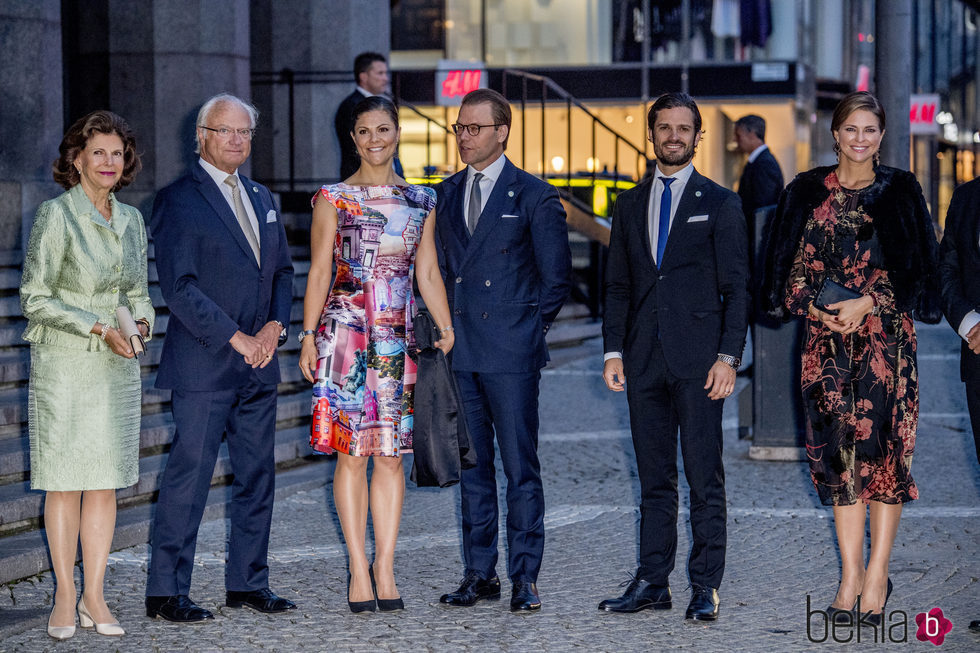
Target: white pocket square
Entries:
(508, 215)
(271, 216)
(698, 218)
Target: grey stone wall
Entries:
(31, 115)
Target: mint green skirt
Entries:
(84, 419)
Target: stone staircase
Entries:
(22, 546)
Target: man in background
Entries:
(762, 180)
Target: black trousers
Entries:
(973, 405)
(659, 405)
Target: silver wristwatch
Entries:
(731, 361)
(302, 334)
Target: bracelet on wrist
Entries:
(447, 329)
(105, 332)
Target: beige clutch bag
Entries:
(129, 329)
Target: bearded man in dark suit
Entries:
(673, 333)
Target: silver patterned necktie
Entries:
(242, 216)
(476, 204)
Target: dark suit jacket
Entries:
(698, 299)
(212, 283)
(959, 267)
(510, 279)
(342, 122)
(760, 184)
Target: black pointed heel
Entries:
(385, 605)
(359, 606)
(875, 619)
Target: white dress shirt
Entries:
(757, 151)
(490, 175)
(219, 177)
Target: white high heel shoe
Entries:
(85, 620)
(61, 632)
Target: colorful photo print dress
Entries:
(362, 397)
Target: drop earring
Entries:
(837, 150)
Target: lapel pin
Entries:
(697, 194)
(510, 193)
(255, 189)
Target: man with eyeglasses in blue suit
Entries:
(503, 247)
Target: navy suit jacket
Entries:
(760, 184)
(510, 279)
(959, 267)
(212, 283)
(697, 300)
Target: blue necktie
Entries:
(663, 226)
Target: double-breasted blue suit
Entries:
(214, 286)
(670, 322)
(505, 285)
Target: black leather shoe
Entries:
(975, 626)
(704, 604)
(472, 589)
(359, 606)
(263, 600)
(875, 619)
(179, 609)
(385, 605)
(524, 597)
(639, 595)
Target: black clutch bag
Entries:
(832, 292)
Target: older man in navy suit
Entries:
(503, 246)
(226, 275)
(673, 332)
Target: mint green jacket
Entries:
(78, 268)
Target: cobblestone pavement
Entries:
(781, 550)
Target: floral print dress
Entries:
(860, 390)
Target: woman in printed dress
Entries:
(866, 227)
(379, 231)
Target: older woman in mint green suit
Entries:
(86, 257)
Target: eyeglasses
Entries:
(472, 130)
(225, 132)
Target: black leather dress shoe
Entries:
(704, 604)
(639, 595)
(472, 589)
(179, 609)
(263, 600)
(524, 597)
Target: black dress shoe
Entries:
(359, 606)
(524, 597)
(472, 589)
(704, 604)
(975, 626)
(385, 605)
(263, 600)
(875, 619)
(179, 609)
(639, 595)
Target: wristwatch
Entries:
(302, 335)
(731, 361)
(282, 334)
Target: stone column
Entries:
(31, 116)
(304, 36)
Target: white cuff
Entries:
(969, 321)
(609, 355)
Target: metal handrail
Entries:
(547, 84)
(429, 121)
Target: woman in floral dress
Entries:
(866, 227)
(378, 230)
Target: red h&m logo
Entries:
(460, 82)
(922, 113)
